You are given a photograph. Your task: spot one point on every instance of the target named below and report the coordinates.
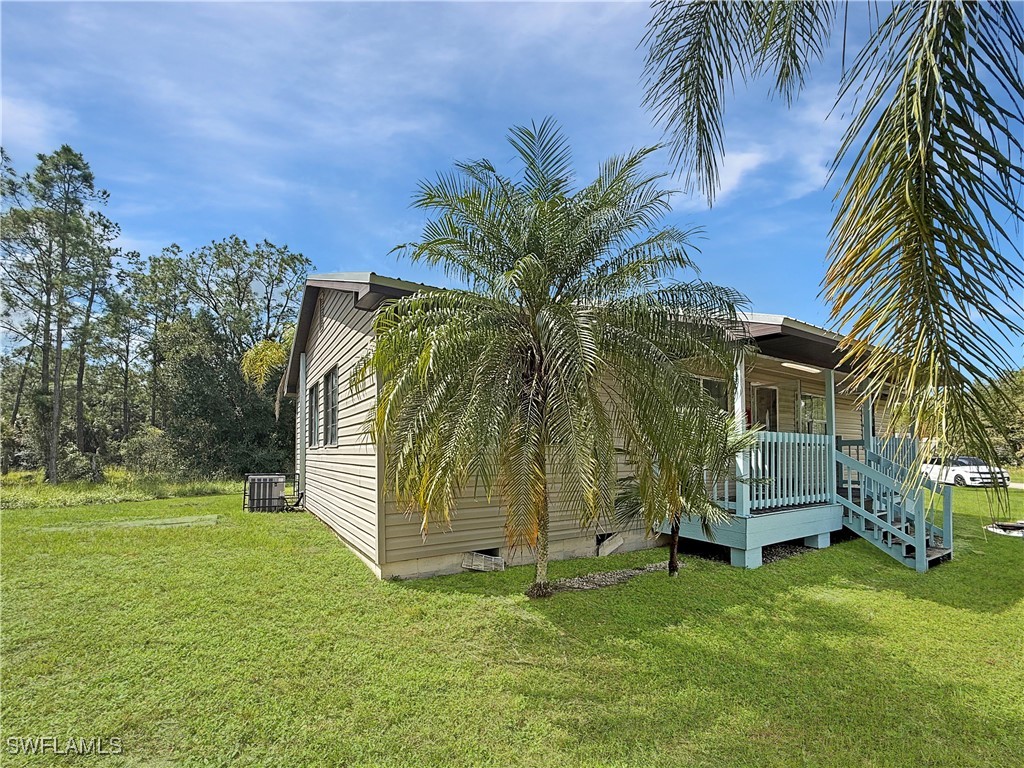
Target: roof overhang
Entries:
(778, 336)
(370, 289)
(789, 339)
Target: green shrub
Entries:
(149, 452)
(72, 464)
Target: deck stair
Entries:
(882, 508)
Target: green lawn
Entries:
(262, 641)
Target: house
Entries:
(818, 465)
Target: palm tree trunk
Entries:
(541, 577)
(673, 548)
(541, 587)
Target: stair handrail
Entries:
(879, 477)
(939, 489)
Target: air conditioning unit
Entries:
(264, 493)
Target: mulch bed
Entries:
(606, 579)
(769, 554)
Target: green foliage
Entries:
(56, 254)
(925, 239)
(149, 452)
(72, 464)
(265, 361)
(264, 626)
(249, 292)
(218, 421)
(697, 49)
(571, 337)
(1007, 434)
(683, 486)
(83, 332)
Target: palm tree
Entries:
(929, 171)
(568, 341)
(681, 483)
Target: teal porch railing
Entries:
(789, 470)
(869, 479)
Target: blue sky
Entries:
(310, 124)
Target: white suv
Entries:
(965, 470)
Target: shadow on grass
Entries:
(819, 654)
(986, 574)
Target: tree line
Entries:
(115, 357)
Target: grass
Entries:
(1016, 474)
(261, 641)
(26, 490)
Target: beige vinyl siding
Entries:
(477, 524)
(341, 479)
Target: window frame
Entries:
(805, 420)
(313, 416)
(330, 425)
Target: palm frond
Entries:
(922, 271)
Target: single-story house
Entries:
(818, 466)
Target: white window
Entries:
(812, 414)
(313, 409)
(331, 407)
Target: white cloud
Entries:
(30, 126)
(735, 167)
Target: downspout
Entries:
(830, 429)
(302, 426)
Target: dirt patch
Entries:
(775, 552)
(772, 553)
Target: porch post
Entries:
(739, 404)
(302, 426)
(830, 402)
(830, 425)
(867, 414)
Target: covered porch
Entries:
(826, 471)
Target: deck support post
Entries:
(739, 402)
(920, 531)
(745, 558)
(830, 427)
(818, 541)
(947, 518)
(301, 427)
